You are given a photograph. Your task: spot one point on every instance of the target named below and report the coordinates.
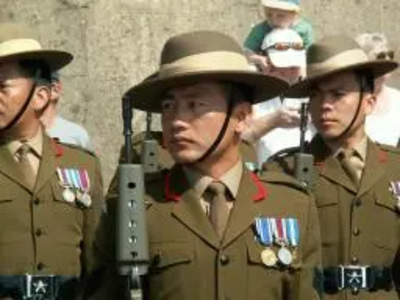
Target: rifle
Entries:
(132, 243)
(149, 150)
(304, 162)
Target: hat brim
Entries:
(147, 95)
(281, 5)
(55, 59)
(376, 69)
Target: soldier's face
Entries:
(333, 105)
(192, 117)
(14, 91)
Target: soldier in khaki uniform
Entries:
(258, 238)
(356, 182)
(50, 193)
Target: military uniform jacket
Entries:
(188, 261)
(359, 226)
(41, 233)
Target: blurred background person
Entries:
(278, 14)
(57, 126)
(275, 123)
(383, 125)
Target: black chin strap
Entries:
(22, 110)
(223, 129)
(362, 90)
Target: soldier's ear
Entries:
(242, 113)
(41, 97)
(370, 103)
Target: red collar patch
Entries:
(57, 148)
(261, 191)
(382, 156)
(167, 190)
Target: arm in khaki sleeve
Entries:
(308, 282)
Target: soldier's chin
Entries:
(184, 157)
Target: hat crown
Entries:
(332, 46)
(12, 31)
(198, 42)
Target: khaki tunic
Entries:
(188, 261)
(40, 232)
(359, 226)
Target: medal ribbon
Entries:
(263, 228)
(293, 231)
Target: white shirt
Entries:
(278, 138)
(383, 125)
(70, 133)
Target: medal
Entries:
(68, 195)
(84, 187)
(394, 187)
(285, 256)
(268, 257)
(264, 232)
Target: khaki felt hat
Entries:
(18, 42)
(202, 55)
(333, 55)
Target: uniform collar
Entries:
(231, 179)
(36, 143)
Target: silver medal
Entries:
(68, 195)
(285, 256)
(86, 200)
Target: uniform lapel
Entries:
(188, 209)
(47, 166)
(329, 166)
(373, 170)
(9, 168)
(244, 211)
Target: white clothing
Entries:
(278, 138)
(383, 125)
(69, 132)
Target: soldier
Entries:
(216, 230)
(50, 193)
(356, 182)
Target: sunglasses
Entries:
(286, 46)
(385, 55)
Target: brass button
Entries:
(355, 291)
(354, 260)
(356, 231)
(40, 266)
(224, 259)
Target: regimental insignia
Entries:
(76, 186)
(281, 237)
(395, 189)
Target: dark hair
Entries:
(38, 70)
(239, 92)
(366, 80)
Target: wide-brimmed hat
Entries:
(333, 55)
(285, 48)
(202, 55)
(18, 42)
(290, 5)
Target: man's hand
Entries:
(287, 118)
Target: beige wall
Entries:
(116, 43)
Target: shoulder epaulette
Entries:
(74, 146)
(389, 148)
(282, 178)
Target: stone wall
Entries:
(116, 43)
